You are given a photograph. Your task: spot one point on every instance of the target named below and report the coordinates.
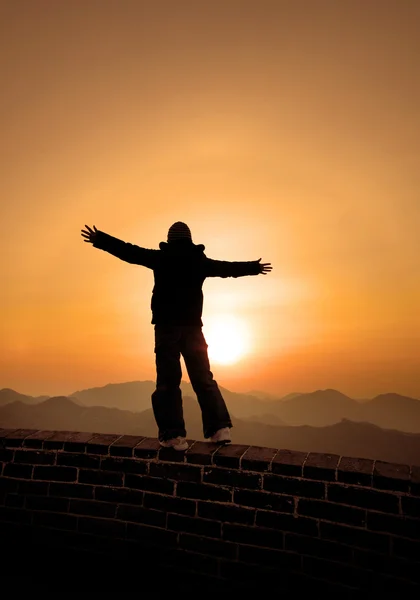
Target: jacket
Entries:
(179, 269)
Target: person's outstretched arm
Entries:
(123, 250)
(223, 268)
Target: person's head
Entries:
(179, 232)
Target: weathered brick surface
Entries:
(201, 453)
(364, 498)
(321, 466)
(237, 511)
(357, 471)
(226, 512)
(287, 462)
(284, 522)
(186, 489)
(258, 459)
(266, 500)
(330, 511)
(294, 487)
(229, 456)
(101, 442)
(124, 446)
(389, 476)
(232, 477)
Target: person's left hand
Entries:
(265, 267)
(89, 234)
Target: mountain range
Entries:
(346, 438)
(318, 409)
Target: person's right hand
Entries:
(89, 234)
(265, 267)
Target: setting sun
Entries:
(227, 338)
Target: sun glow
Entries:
(227, 338)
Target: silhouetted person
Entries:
(180, 268)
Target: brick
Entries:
(10, 514)
(18, 471)
(357, 471)
(229, 456)
(55, 520)
(247, 576)
(288, 462)
(71, 459)
(201, 453)
(100, 443)
(294, 487)
(58, 439)
(119, 495)
(329, 511)
(47, 503)
(125, 445)
(370, 499)
(284, 522)
(71, 490)
(55, 473)
(258, 458)
(226, 513)
(252, 535)
(76, 441)
(36, 440)
(178, 472)
(5, 432)
(149, 484)
(153, 536)
(232, 478)
(397, 525)
(106, 527)
(410, 506)
(187, 489)
(33, 457)
(171, 455)
(194, 525)
(389, 476)
(124, 465)
(264, 500)
(207, 546)
(16, 438)
(148, 448)
(99, 477)
(14, 500)
(138, 514)
(35, 488)
(313, 546)
(171, 504)
(321, 466)
(6, 455)
(408, 549)
(92, 507)
(271, 558)
(351, 536)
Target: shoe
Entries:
(222, 436)
(178, 443)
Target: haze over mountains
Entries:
(321, 421)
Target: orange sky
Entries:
(287, 130)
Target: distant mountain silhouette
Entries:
(319, 408)
(345, 438)
(7, 395)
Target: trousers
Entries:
(172, 341)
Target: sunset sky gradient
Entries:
(282, 129)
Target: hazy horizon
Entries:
(283, 130)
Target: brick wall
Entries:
(235, 515)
